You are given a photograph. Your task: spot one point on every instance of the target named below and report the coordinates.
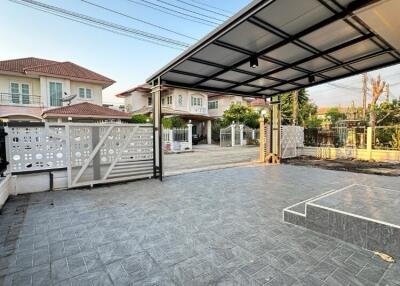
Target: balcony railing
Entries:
(19, 99)
(199, 109)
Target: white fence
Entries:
(91, 153)
(177, 139)
(237, 135)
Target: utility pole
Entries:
(295, 96)
(364, 95)
(387, 93)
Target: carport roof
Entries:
(297, 44)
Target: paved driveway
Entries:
(221, 227)
(205, 157)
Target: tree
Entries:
(305, 108)
(388, 113)
(334, 115)
(240, 114)
(377, 88)
(173, 122)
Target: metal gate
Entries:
(225, 135)
(292, 138)
(109, 153)
(91, 153)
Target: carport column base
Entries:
(209, 141)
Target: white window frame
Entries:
(85, 89)
(48, 91)
(196, 100)
(213, 102)
(20, 83)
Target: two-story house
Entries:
(187, 104)
(30, 87)
(198, 107)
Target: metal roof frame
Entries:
(294, 74)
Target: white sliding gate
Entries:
(109, 153)
(92, 153)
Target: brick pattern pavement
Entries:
(212, 228)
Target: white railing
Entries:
(199, 109)
(177, 139)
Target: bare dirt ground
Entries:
(357, 166)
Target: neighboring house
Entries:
(30, 86)
(218, 103)
(199, 107)
(187, 104)
(259, 105)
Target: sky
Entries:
(26, 32)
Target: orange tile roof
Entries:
(10, 110)
(86, 110)
(53, 68)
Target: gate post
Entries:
(275, 152)
(241, 134)
(262, 147)
(189, 128)
(233, 134)
(157, 129)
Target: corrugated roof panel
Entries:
(219, 55)
(331, 35)
(255, 41)
(293, 17)
(197, 68)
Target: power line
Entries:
(157, 8)
(188, 10)
(139, 20)
(211, 6)
(179, 12)
(205, 9)
(98, 27)
(97, 22)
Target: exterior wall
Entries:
(97, 91)
(5, 81)
(136, 100)
(40, 87)
(346, 153)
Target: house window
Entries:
(55, 93)
(169, 100)
(163, 101)
(19, 93)
(180, 100)
(213, 105)
(149, 100)
(85, 93)
(196, 101)
(25, 93)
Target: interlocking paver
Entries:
(213, 228)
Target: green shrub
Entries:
(140, 118)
